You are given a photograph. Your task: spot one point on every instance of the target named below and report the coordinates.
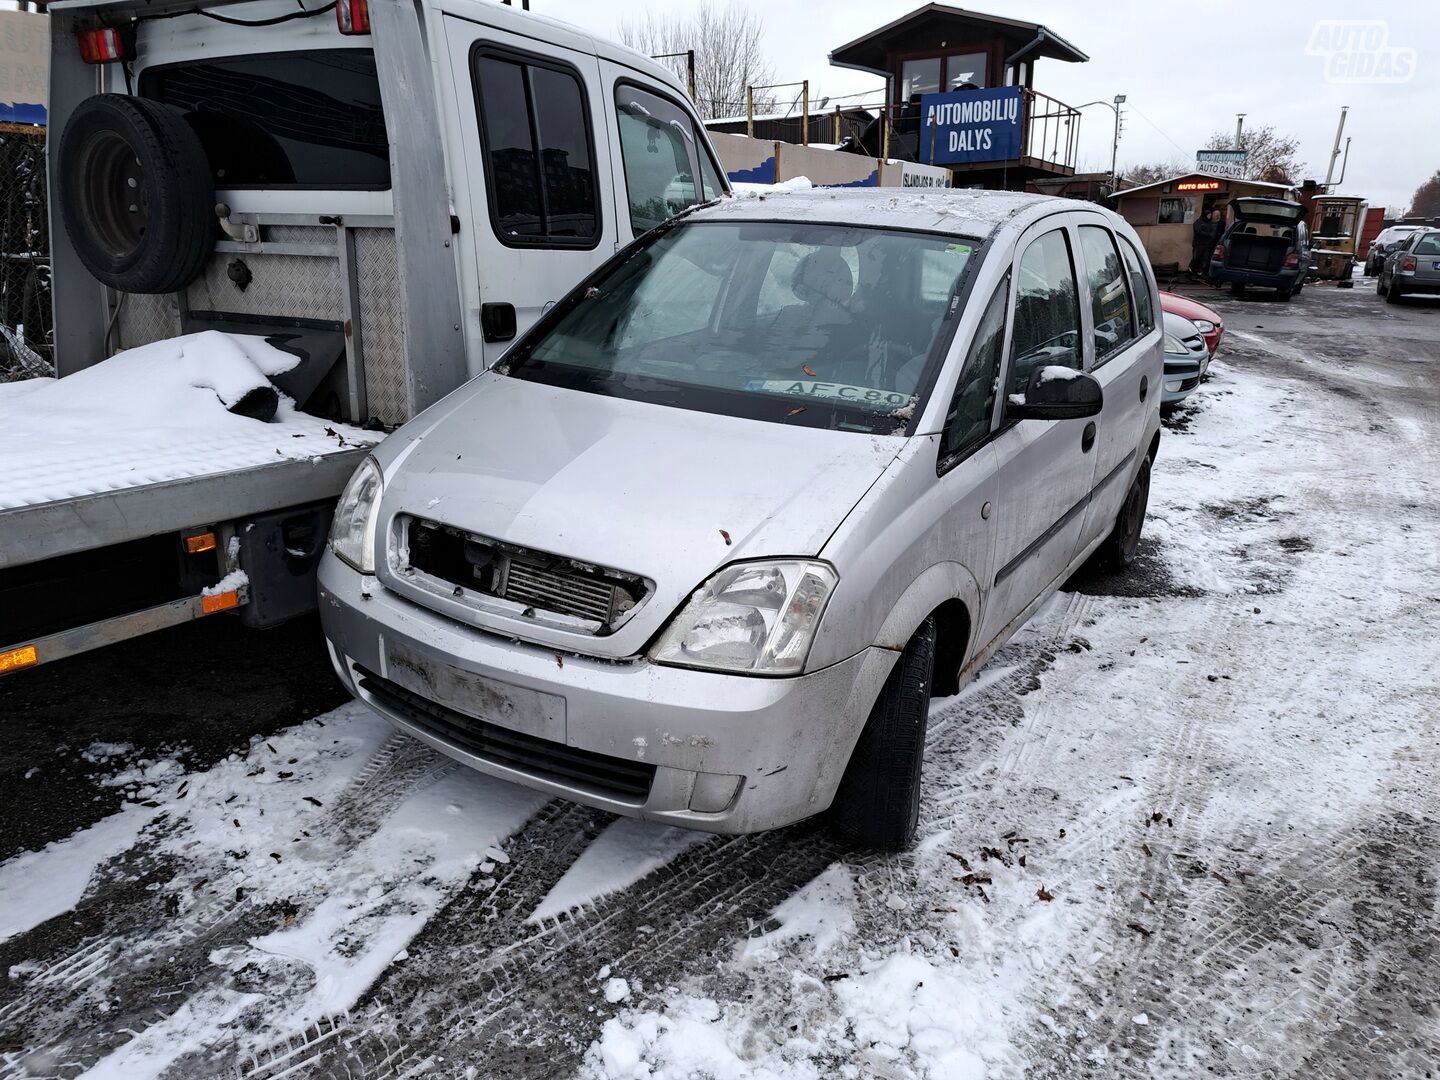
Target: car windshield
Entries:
(818, 325)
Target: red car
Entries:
(1206, 319)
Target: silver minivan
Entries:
(706, 541)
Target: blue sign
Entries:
(970, 125)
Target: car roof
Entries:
(963, 212)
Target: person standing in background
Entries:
(1207, 230)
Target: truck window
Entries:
(283, 120)
(539, 154)
(663, 154)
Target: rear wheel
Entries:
(1237, 288)
(878, 803)
(1393, 293)
(1117, 553)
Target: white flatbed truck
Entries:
(390, 190)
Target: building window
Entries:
(1177, 211)
(919, 77)
(964, 71)
(539, 156)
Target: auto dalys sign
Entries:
(971, 125)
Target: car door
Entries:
(1045, 468)
(1122, 361)
(537, 156)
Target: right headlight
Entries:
(352, 532)
(756, 618)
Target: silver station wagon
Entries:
(703, 545)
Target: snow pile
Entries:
(753, 191)
(153, 414)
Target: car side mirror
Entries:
(1056, 393)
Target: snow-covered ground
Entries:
(1185, 824)
(153, 414)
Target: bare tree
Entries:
(1426, 200)
(1272, 156)
(1148, 173)
(729, 55)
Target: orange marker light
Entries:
(200, 542)
(19, 657)
(219, 601)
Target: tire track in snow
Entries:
(148, 960)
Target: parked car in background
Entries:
(1206, 319)
(1187, 359)
(964, 391)
(1412, 268)
(1267, 245)
(1388, 240)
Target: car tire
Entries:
(1286, 294)
(878, 803)
(1116, 553)
(136, 194)
(1393, 293)
(1380, 285)
(1237, 288)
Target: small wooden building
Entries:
(1164, 213)
(937, 52)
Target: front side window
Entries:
(540, 161)
(284, 120)
(1047, 312)
(667, 168)
(1109, 298)
(796, 323)
(968, 420)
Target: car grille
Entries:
(611, 777)
(1190, 384)
(535, 580)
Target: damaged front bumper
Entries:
(723, 753)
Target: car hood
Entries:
(1174, 303)
(667, 494)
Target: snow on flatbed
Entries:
(1185, 824)
(153, 415)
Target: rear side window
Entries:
(1047, 313)
(667, 167)
(539, 153)
(1109, 298)
(1429, 244)
(1139, 286)
(284, 120)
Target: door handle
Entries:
(1144, 386)
(1087, 439)
(497, 321)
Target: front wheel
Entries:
(1116, 553)
(878, 803)
(1380, 289)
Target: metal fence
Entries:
(27, 334)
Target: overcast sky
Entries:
(1187, 69)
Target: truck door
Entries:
(663, 161)
(537, 164)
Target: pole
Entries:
(1239, 127)
(1115, 148)
(690, 72)
(805, 112)
(750, 111)
(1335, 151)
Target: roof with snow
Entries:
(964, 212)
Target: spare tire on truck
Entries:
(136, 193)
